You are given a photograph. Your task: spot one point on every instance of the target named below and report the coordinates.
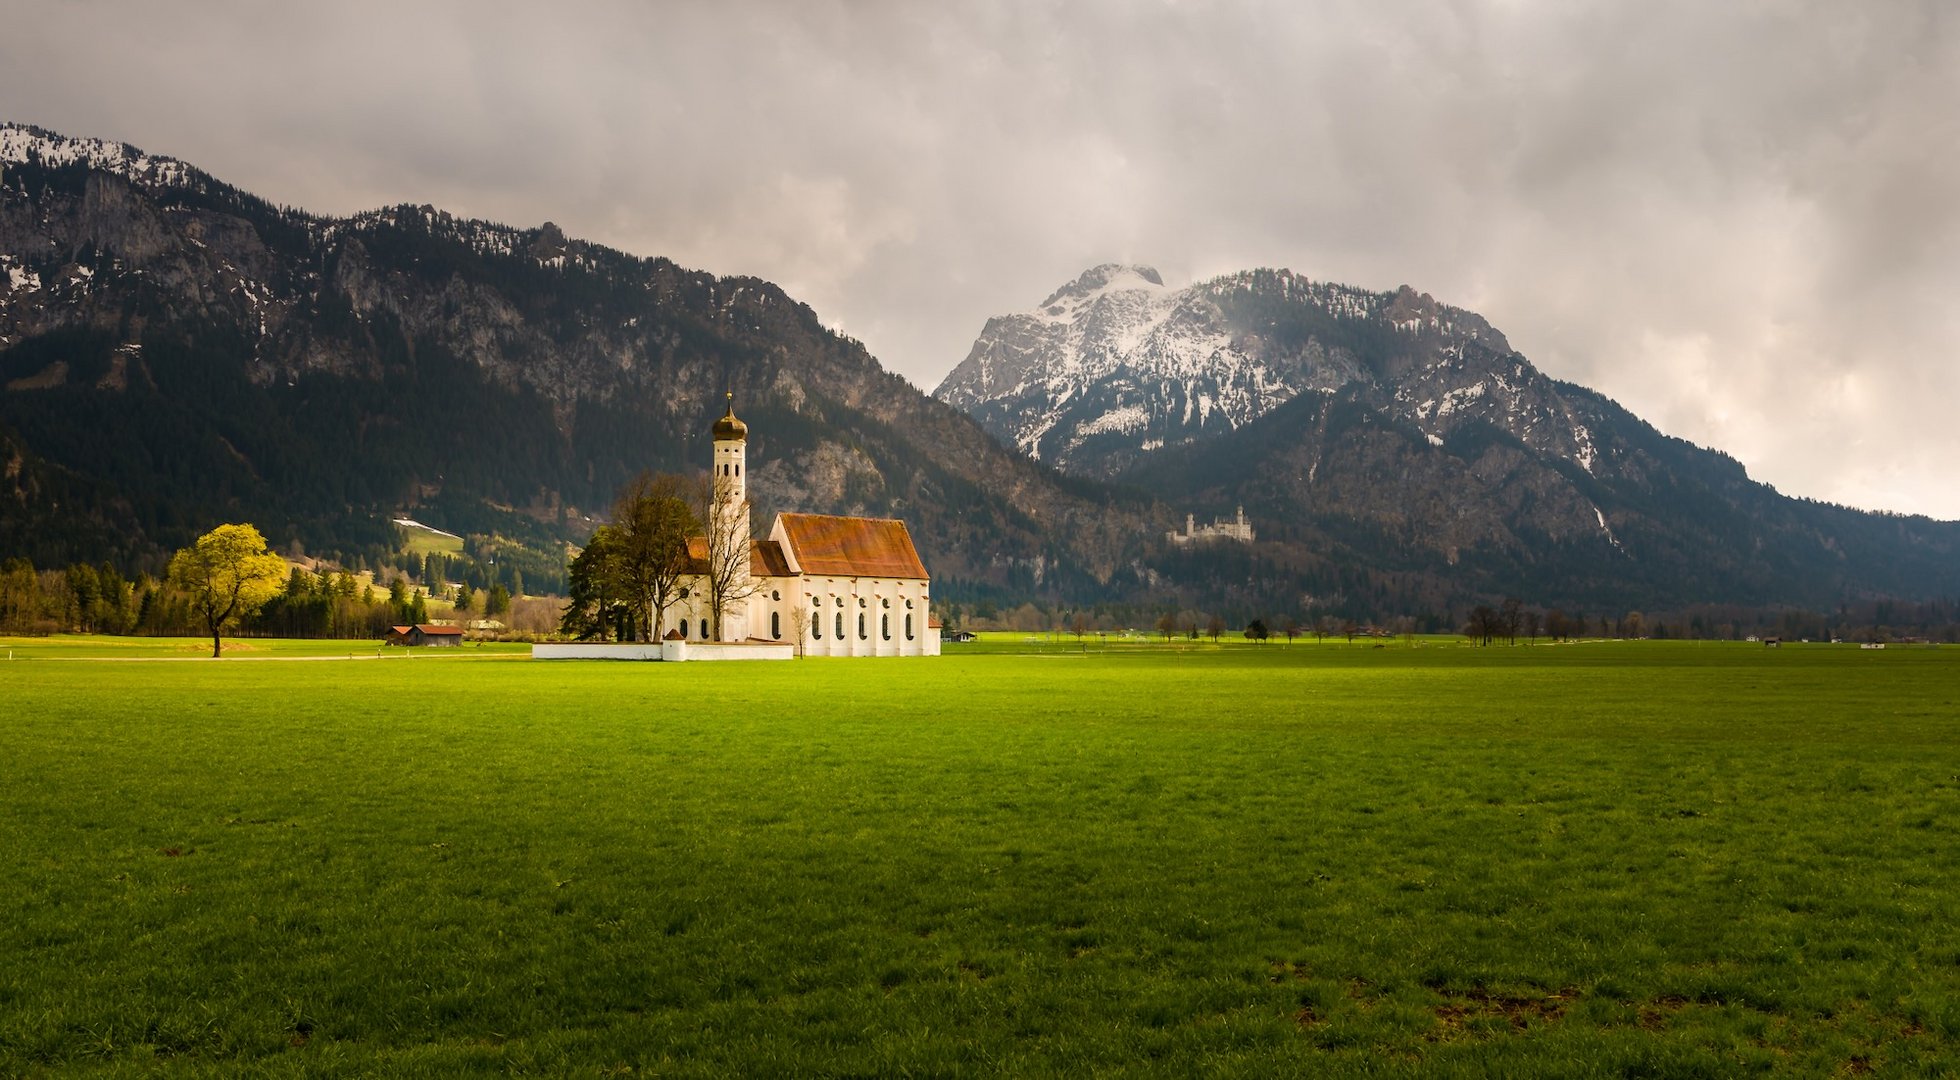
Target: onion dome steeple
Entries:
(729, 429)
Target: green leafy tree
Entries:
(497, 602)
(227, 574)
(598, 607)
(465, 596)
(654, 520)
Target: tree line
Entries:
(278, 600)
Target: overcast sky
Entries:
(1736, 218)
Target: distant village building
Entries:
(1235, 528)
(425, 634)
(839, 586)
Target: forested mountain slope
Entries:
(175, 352)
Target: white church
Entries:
(838, 586)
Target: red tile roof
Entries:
(767, 560)
(853, 546)
(430, 628)
(765, 557)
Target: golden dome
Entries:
(729, 429)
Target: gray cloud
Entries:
(1739, 220)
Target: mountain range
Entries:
(1413, 432)
(175, 352)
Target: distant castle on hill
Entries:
(1236, 528)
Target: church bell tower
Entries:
(731, 448)
(728, 531)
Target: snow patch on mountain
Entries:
(19, 278)
(21, 144)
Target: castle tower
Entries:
(728, 527)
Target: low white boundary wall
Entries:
(665, 650)
(586, 650)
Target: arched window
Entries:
(840, 626)
(885, 627)
(776, 625)
(816, 629)
(861, 634)
(908, 626)
(683, 627)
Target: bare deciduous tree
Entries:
(799, 626)
(724, 517)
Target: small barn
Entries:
(425, 634)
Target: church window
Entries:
(775, 594)
(884, 601)
(840, 601)
(776, 625)
(908, 627)
(683, 627)
(738, 470)
(816, 630)
(683, 594)
(908, 605)
(860, 601)
(840, 626)
(861, 634)
(885, 627)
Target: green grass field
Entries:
(1612, 859)
(423, 540)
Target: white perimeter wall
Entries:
(590, 650)
(667, 650)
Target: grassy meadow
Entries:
(1022, 858)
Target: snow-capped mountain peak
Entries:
(1115, 365)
